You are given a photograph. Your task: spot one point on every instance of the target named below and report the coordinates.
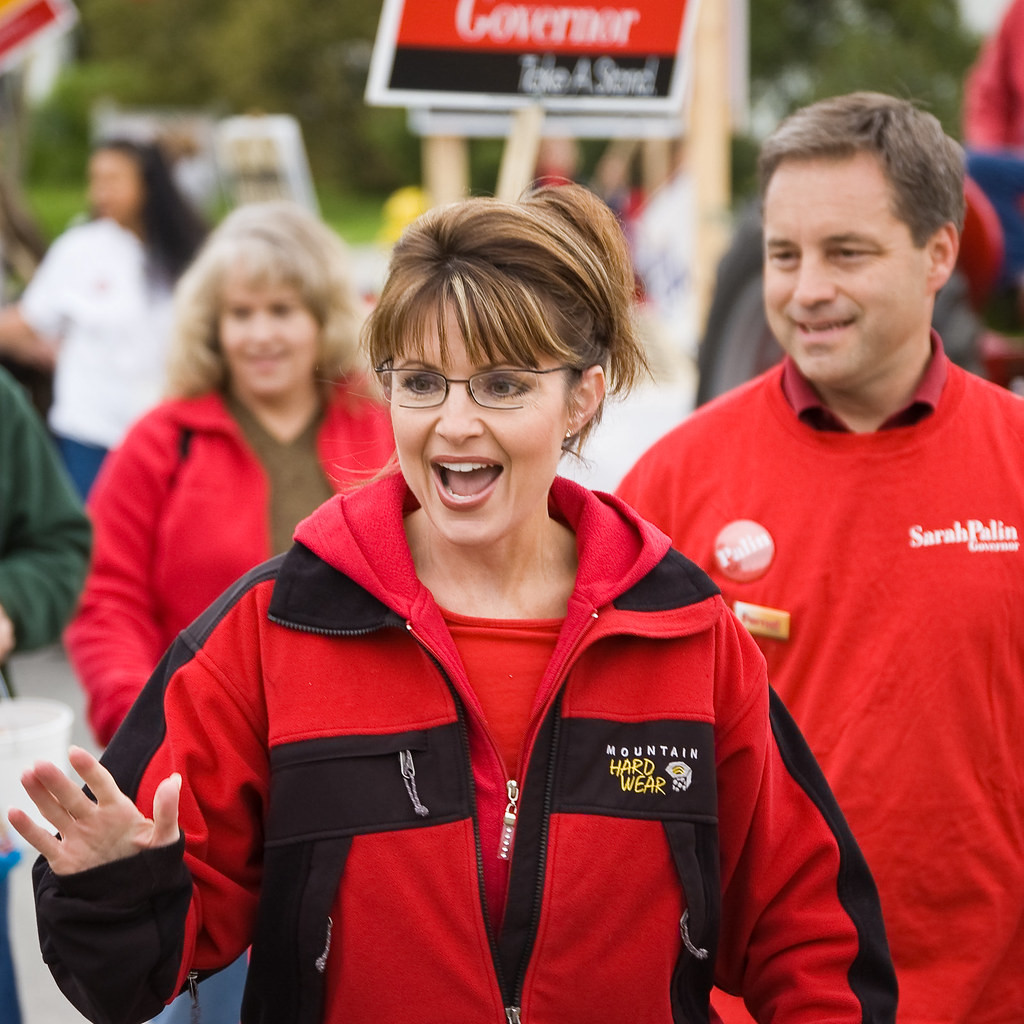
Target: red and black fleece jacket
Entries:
(341, 793)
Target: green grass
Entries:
(55, 206)
(356, 218)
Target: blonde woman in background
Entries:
(270, 416)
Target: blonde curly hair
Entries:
(273, 243)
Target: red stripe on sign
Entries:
(623, 27)
(25, 23)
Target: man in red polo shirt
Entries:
(861, 507)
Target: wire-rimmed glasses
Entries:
(414, 388)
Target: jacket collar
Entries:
(352, 570)
(361, 534)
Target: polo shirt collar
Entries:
(810, 409)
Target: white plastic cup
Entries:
(31, 729)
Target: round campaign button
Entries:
(744, 550)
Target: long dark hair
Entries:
(173, 228)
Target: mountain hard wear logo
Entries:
(641, 770)
(744, 550)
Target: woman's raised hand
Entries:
(91, 833)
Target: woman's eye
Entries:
(420, 383)
(507, 385)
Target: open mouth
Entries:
(466, 479)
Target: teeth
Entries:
(831, 325)
(463, 467)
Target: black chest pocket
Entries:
(347, 785)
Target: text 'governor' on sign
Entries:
(499, 55)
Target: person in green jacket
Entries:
(44, 553)
(44, 534)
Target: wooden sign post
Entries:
(445, 168)
(708, 147)
(520, 155)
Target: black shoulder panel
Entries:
(144, 728)
(674, 582)
(311, 594)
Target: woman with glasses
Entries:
(481, 746)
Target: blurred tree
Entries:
(310, 58)
(803, 50)
(302, 57)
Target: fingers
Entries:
(35, 835)
(58, 798)
(165, 811)
(94, 775)
(92, 832)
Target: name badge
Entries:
(762, 621)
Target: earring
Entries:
(568, 434)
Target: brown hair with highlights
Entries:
(548, 276)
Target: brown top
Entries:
(296, 479)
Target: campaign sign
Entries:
(622, 56)
(24, 21)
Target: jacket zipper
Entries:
(481, 892)
(491, 938)
(512, 1012)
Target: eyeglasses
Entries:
(492, 389)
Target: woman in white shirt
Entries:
(97, 310)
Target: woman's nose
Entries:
(458, 414)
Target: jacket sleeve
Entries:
(139, 907)
(115, 640)
(121, 940)
(802, 934)
(44, 534)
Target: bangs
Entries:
(499, 320)
(262, 264)
(259, 264)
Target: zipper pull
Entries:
(408, 768)
(193, 991)
(512, 1014)
(508, 828)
